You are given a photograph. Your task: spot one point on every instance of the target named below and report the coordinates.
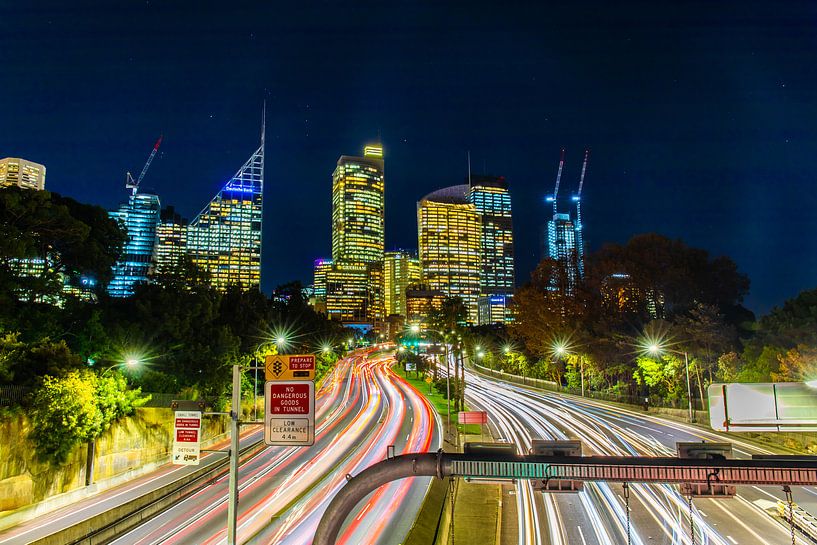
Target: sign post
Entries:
(187, 438)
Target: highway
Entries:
(659, 514)
(362, 408)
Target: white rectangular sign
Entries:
(758, 407)
(187, 438)
(290, 413)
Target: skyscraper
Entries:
(224, 239)
(354, 283)
(22, 173)
(450, 241)
(400, 270)
(347, 297)
(358, 217)
(490, 197)
(564, 236)
(171, 240)
(139, 216)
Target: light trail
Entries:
(520, 415)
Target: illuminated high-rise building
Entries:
(376, 305)
(22, 173)
(224, 239)
(321, 267)
(171, 240)
(139, 216)
(347, 292)
(564, 236)
(354, 280)
(400, 270)
(358, 218)
(450, 242)
(490, 197)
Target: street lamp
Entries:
(656, 350)
(561, 349)
(415, 328)
(131, 362)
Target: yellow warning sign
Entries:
(290, 367)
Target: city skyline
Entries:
(715, 168)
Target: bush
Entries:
(76, 408)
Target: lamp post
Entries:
(656, 350)
(415, 328)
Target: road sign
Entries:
(187, 438)
(429, 380)
(290, 367)
(473, 417)
(290, 413)
(757, 407)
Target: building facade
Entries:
(421, 302)
(495, 309)
(22, 173)
(400, 270)
(492, 200)
(139, 216)
(171, 240)
(354, 278)
(224, 239)
(450, 240)
(358, 208)
(347, 292)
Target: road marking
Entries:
(732, 539)
(703, 514)
(581, 534)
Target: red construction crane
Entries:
(132, 184)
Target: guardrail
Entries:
(803, 520)
(104, 527)
(697, 404)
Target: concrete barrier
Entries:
(107, 525)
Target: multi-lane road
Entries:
(363, 407)
(659, 514)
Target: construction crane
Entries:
(578, 197)
(132, 184)
(558, 179)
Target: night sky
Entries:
(701, 117)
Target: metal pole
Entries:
(581, 364)
(448, 386)
(689, 388)
(255, 393)
(235, 413)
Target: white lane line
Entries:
(732, 539)
(581, 534)
(703, 514)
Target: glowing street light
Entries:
(415, 328)
(561, 349)
(656, 349)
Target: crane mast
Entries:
(558, 179)
(132, 184)
(579, 194)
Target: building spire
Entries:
(263, 124)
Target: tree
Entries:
(707, 337)
(797, 365)
(670, 276)
(77, 408)
(68, 237)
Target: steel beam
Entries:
(777, 471)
